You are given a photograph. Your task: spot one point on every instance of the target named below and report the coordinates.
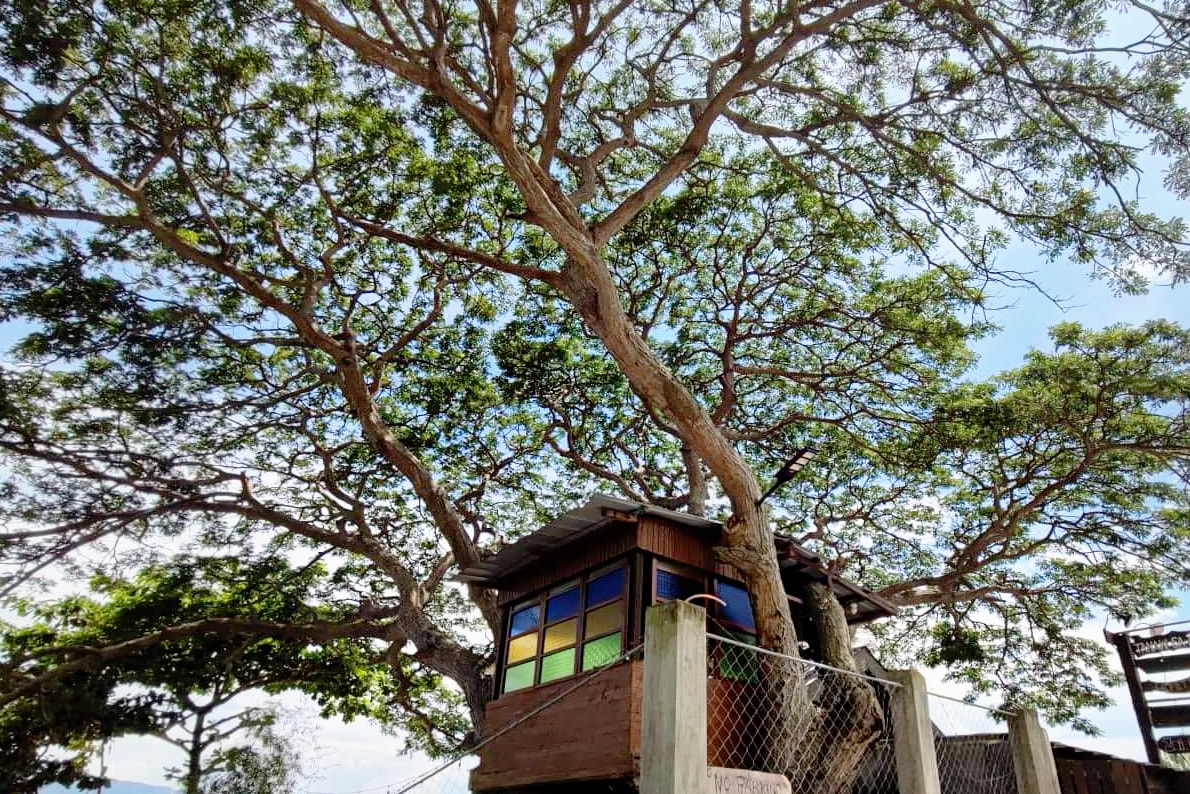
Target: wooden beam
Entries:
(1165, 664)
(1170, 716)
(1128, 662)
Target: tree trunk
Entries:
(194, 755)
(696, 502)
(819, 746)
(849, 717)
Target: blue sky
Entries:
(358, 757)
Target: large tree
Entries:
(384, 283)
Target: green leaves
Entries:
(287, 294)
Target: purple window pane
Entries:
(524, 619)
(562, 606)
(606, 588)
(738, 609)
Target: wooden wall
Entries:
(593, 733)
(598, 548)
(682, 544)
(1100, 776)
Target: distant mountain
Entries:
(116, 787)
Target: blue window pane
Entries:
(524, 619)
(562, 606)
(672, 587)
(606, 587)
(738, 610)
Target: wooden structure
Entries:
(1155, 665)
(1088, 772)
(572, 599)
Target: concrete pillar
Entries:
(1032, 755)
(673, 748)
(913, 735)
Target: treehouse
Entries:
(572, 599)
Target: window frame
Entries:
(541, 599)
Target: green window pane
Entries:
(603, 620)
(601, 651)
(557, 665)
(519, 676)
(739, 664)
(522, 648)
(561, 635)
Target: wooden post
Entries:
(1140, 706)
(673, 748)
(1032, 755)
(913, 735)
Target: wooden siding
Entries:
(734, 736)
(593, 733)
(1094, 776)
(591, 552)
(682, 544)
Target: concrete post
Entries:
(913, 735)
(673, 747)
(1032, 755)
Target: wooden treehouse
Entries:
(572, 599)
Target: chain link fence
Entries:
(845, 729)
(774, 713)
(823, 728)
(971, 743)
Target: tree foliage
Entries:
(380, 286)
(104, 666)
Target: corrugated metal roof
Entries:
(579, 523)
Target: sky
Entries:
(345, 758)
(356, 758)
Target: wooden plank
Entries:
(1174, 744)
(1128, 662)
(597, 549)
(1170, 716)
(584, 736)
(1170, 641)
(1164, 664)
(1075, 777)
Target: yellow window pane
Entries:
(561, 635)
(522, 647)
(603, 620)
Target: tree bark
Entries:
(696, 502)
(849, 717)
(194, 754)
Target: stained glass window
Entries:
(522, 648)
(736, 664)
(604, 619)
(597, 653)
(562, 606)
(519, 676)
(606, 587)
(557, 665)
(561, 635)
(737, 610)
(675, 587)
(595, 602)
(525, 619)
